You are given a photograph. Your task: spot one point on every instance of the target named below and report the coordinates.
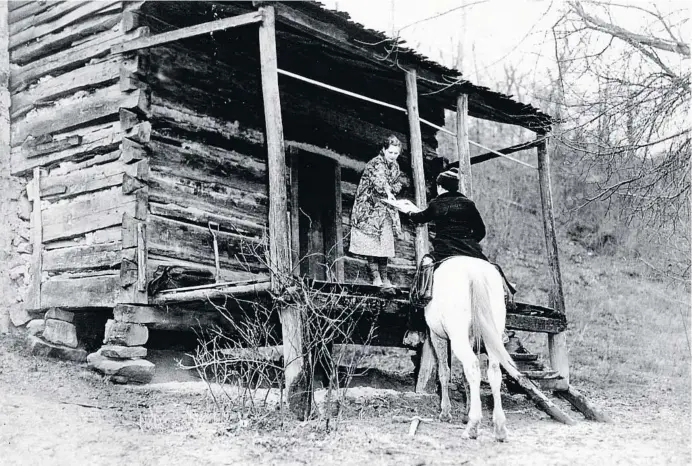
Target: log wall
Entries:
(212, 166)
(205, 172)
(208, 159)
(70, 114)
(128, 159)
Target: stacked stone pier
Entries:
(55, 335)
(122, 355)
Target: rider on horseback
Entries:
(459, 229)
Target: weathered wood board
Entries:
(99, 291)
(75, 111)
(171, 317)
(83, 78)
(27, 52)
(55, 10)
(106, 235)
(22, 9)
(85, 213)
(91, 257)
(155, 261)
(95, 178)
(94, 47)
(97, 141)
(52, 20)
(193, 243)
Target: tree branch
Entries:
(662, 44)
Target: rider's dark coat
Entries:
(458, 226)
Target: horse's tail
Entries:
(484, 323)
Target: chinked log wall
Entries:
(76, 133)
(134, 154)
(202, 169)
(208, 160)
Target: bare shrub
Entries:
(242, 360)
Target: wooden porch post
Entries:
(462, 130)
(294, 214)
(416, 143)
(557, 343)
(34, 194)
(279, 246)
(427, 365)
(4, 143)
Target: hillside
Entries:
(628, 349)
(628, 331)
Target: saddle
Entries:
(421, 295)
(421, 288)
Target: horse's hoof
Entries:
(471, 431)
(445, 417)
(501, 433)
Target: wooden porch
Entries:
(391, 309)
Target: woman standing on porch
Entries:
(373, 222)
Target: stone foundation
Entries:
(121, 356)
(122, 370)
(60, 333)
(56, 336)
(40, 347)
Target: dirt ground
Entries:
(56, 413)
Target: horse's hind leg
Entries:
(495, 380)
(463, 351)
(439, 344)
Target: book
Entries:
(404, 205)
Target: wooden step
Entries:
(524, 366)
(542, 375)
(523, 356)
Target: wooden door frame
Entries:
(334, 256)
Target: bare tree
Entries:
(623, 93)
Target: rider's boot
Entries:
(426, 276)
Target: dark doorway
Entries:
(316, 230)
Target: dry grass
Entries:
(627, 330)
(628, 351)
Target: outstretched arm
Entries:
(424, 216)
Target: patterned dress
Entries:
(373, 222)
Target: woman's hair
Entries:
(449, 180)
(391, 141)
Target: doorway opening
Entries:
(316, 217)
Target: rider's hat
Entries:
(449, 180)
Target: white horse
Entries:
(468, 302)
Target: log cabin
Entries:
(162, 144)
